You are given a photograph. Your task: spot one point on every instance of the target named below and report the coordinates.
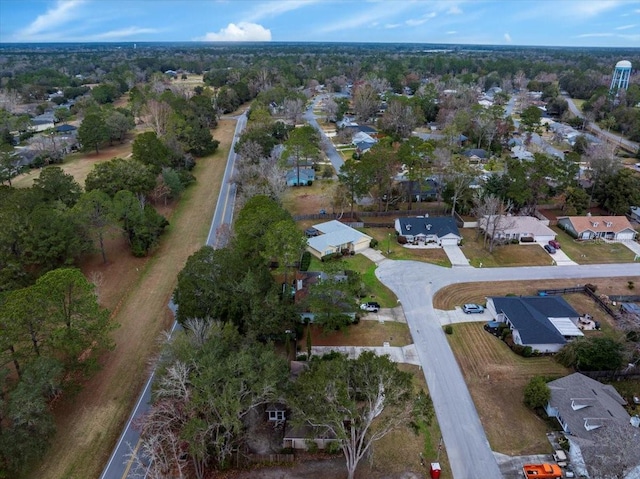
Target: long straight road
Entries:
(126, 458)
(415, 284)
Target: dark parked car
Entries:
(371, 307)
(550, 249)
(555, 244)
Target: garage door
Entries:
(624, 236)
(448, 242)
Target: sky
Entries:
(590, 23)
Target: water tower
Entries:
(621, 75)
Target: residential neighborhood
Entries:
(320, 259)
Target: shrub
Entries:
(591, 287)
(312, 446)
(373, 243)
(333, 447)
(301, 357)
(448, 329)
(305, 261)
(536, 393)
(515, 241)
(402, 240)
(630, 284)
(527, 351)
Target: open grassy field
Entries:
(496, 378)
(78, 164)
(138, 291)
(505, 255)
(593, 252)
(302, 200)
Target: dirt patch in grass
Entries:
(496, 378)
(138, 290)
(78, 164)
(503, 255)
(457, 294)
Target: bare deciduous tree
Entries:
(293, 109)
(493, 219)
(365, 102)
(158, 115)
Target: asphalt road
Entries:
(599, 131)
(327, 145)
(415, 284)
(124, 461)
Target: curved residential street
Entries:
(415, 284)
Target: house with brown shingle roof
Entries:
(594, 227)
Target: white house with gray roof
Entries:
(442, 231)
(598, 427)
(336, 237)
(545, 323)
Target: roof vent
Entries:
(588, 214)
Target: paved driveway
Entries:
(455, 255)
(467, 445)
(560, 258)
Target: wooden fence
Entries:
(585, 290)
(613, 375)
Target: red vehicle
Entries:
(555, 244)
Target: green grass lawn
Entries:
(363, 265)
(592, 252)
(390, 247)
(504, 255)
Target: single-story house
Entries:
(300, 176)
(477, 155)
(43, 122)
(593, 227)
(301, 437)
(363, 141)
(440, 230)
(635, 213)
(516, 227)
(422, 190)
(65, 129)
(336, 237)
(595, 422)
(545, 323)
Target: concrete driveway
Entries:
(455, 255)
(415, 284)
(560, 258)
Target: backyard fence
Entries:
(582, 289)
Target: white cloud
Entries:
(242, 32)
(593, 7)
(626, 27)
(452, 32)
(507, 38)
(595, 35)
(389, 26)
(124, 33)
(413, 22)
(63, 12)
(378, 11)
(275, 8)
(455, 10)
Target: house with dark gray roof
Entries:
(422, 230)
(598, 427)
(545, 323)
